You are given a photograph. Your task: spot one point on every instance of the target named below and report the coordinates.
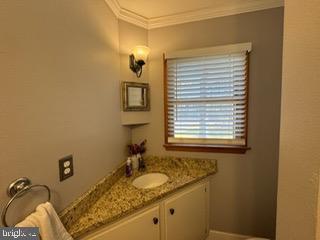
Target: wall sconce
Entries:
(138, 58)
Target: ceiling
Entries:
(158, 13)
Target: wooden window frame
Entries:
(240, 149)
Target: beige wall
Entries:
(300, 126)
(59, 94)
(243, 196)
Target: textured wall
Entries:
(59, 94)
(300, 127)
(244, 191)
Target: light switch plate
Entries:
(66, 167)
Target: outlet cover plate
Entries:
(66, 167)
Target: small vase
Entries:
(135, 162)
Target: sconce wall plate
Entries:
(136, 66)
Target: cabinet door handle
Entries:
(155, 220)
(171, 211)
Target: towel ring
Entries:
(17, 189)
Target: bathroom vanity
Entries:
(182, 216)
(122, 208)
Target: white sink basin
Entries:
(150, 180)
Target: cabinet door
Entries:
(144, 226)
(186, 215)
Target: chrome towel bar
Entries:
(18, 188)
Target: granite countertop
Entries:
(115, 197)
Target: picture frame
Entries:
(135, 96)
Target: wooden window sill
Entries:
(206, 148)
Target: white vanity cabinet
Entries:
(181, 216)
(144, 226)
(186, 215)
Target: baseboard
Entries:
(217, 235)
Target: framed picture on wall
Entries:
(135, 96)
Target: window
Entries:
(206, 99)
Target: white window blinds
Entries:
(207, 99)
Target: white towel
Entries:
(46, 218)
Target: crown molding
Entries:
(133, 18)
(192, 16)
(208, 13)
(114, 6)
(127, 15)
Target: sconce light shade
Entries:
(141, 53)
(138, 58)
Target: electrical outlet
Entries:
(66, 167)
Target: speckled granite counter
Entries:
(115, 197)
